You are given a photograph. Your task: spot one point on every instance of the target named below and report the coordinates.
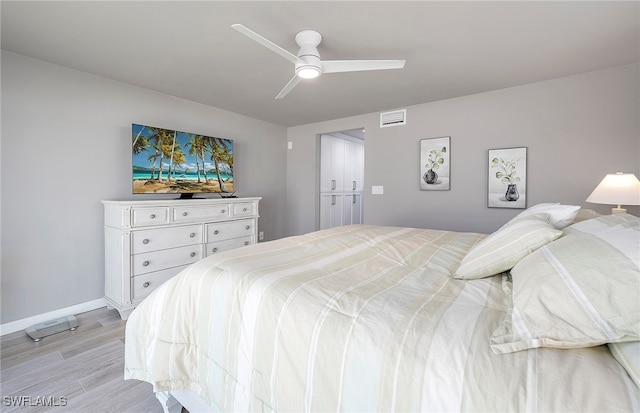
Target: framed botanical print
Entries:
(435, 165)
(507, 182)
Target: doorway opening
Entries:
(341, 178)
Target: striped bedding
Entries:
(355, 318)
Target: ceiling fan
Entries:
(307, 62)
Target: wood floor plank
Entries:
(31, 365)
(85, 367)
(87, 322)
(81, 366)
(14, 339)
(148, 404)
(112, 317)
(55, 396)
(104, 375)
(93, 339)
(16, 354)
(129, 393)
(125, 404)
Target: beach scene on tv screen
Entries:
(168, 161)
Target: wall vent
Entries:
(394, 118)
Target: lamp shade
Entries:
(617, 189)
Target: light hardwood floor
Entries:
(84, 367)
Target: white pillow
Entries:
(560, 216)
(503, 249)
(578, 291)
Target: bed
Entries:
(541, 315)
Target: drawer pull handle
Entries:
(247, 227)
(222, 211)
(145, 241)
(145, 285)
(145, 264)
(244, 209)
(246, 243)
(192, 235)
(214, 250)
(216, 232)
(152, 216)
(184, 214)
(193, 254)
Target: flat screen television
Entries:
(169, 161)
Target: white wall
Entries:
(577, 129)
(66, 139)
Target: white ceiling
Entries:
(452, 48)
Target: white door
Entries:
(341, 176)
(352, 209)
(332, 152)
(331, 210)
(354, 166)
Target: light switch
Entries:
(377, 190)
(290, 145)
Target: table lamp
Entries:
(617, 189)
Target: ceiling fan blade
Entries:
(287, 88)
(266, 43)
(337, 66)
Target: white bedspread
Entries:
(356, 318)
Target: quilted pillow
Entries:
(560, 216)
(501, 250)
(578, 291)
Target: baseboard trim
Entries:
(18, 325)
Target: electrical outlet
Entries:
(260, 235)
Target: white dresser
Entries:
(148, 242)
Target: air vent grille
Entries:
(394, 118)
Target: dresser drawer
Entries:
(143, 285)
(226, 230)
(160, 260)
(219, 246)
(163, 238)
(201, 213)
(141, 217)
(243, 209)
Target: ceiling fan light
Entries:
(308, 72)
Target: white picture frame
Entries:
(435, 164)
(507, 180)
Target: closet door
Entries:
(353, 166)
(341, 176)
(332, 163)
(352, 211)
(331, 210)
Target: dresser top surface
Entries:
(180, 202)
